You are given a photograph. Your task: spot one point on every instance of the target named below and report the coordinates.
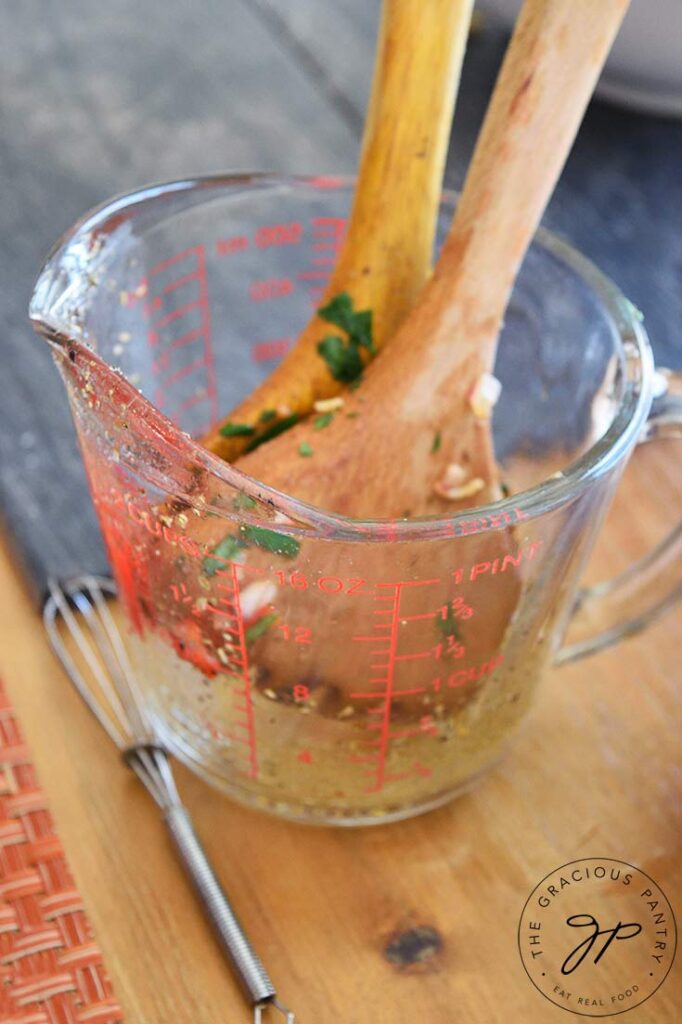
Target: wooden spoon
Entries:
(390, 452)
(387, 254)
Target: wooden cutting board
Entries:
(397, 924)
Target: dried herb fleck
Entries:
(448, 626)
(342, 358)
(304, 450)
(236, 430)
(244, 501)
(223, 552)
(342, 355)
(260, 627)
(435, 447)
(320, 422)
(270, 540)
(274, 431)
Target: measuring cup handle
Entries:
(607, 612)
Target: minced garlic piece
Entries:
(484, 396)
(328, 404)
(455, 474)
(256, 597)
(460, 491)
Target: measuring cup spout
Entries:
(70, 285)
(58, 303)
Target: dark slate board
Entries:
(99, 98)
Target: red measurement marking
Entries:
(263, 351)
(384, 726)
(416, 769)
(327, 584)
(326, 181)
(452, 649)
(172, 260)
(176, 314)
(195, 275)
(180, 593)
(460, 609)
(193, 400)
(208, 344)
(396, 693)
(185, 371)
(325, 223)
(185, 339)
(163, 362)
(172, 285)
(299, 634)
(387, 642)
(411, 583)
(232, 610)
(525, 553)
(278, 234)
(469, 675)
(271, 288)
(224, 246)
(328, 235)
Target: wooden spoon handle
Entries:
(387, 254)
(552, 64)
(389, 247)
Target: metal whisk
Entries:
(110, 690)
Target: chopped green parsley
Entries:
(236, 430)
(342, 355)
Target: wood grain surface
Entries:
(595, 774)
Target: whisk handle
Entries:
(215, 903)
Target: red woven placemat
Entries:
(51, 970)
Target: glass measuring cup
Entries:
(327, 669)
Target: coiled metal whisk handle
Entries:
(246, 963)
(231, 937)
